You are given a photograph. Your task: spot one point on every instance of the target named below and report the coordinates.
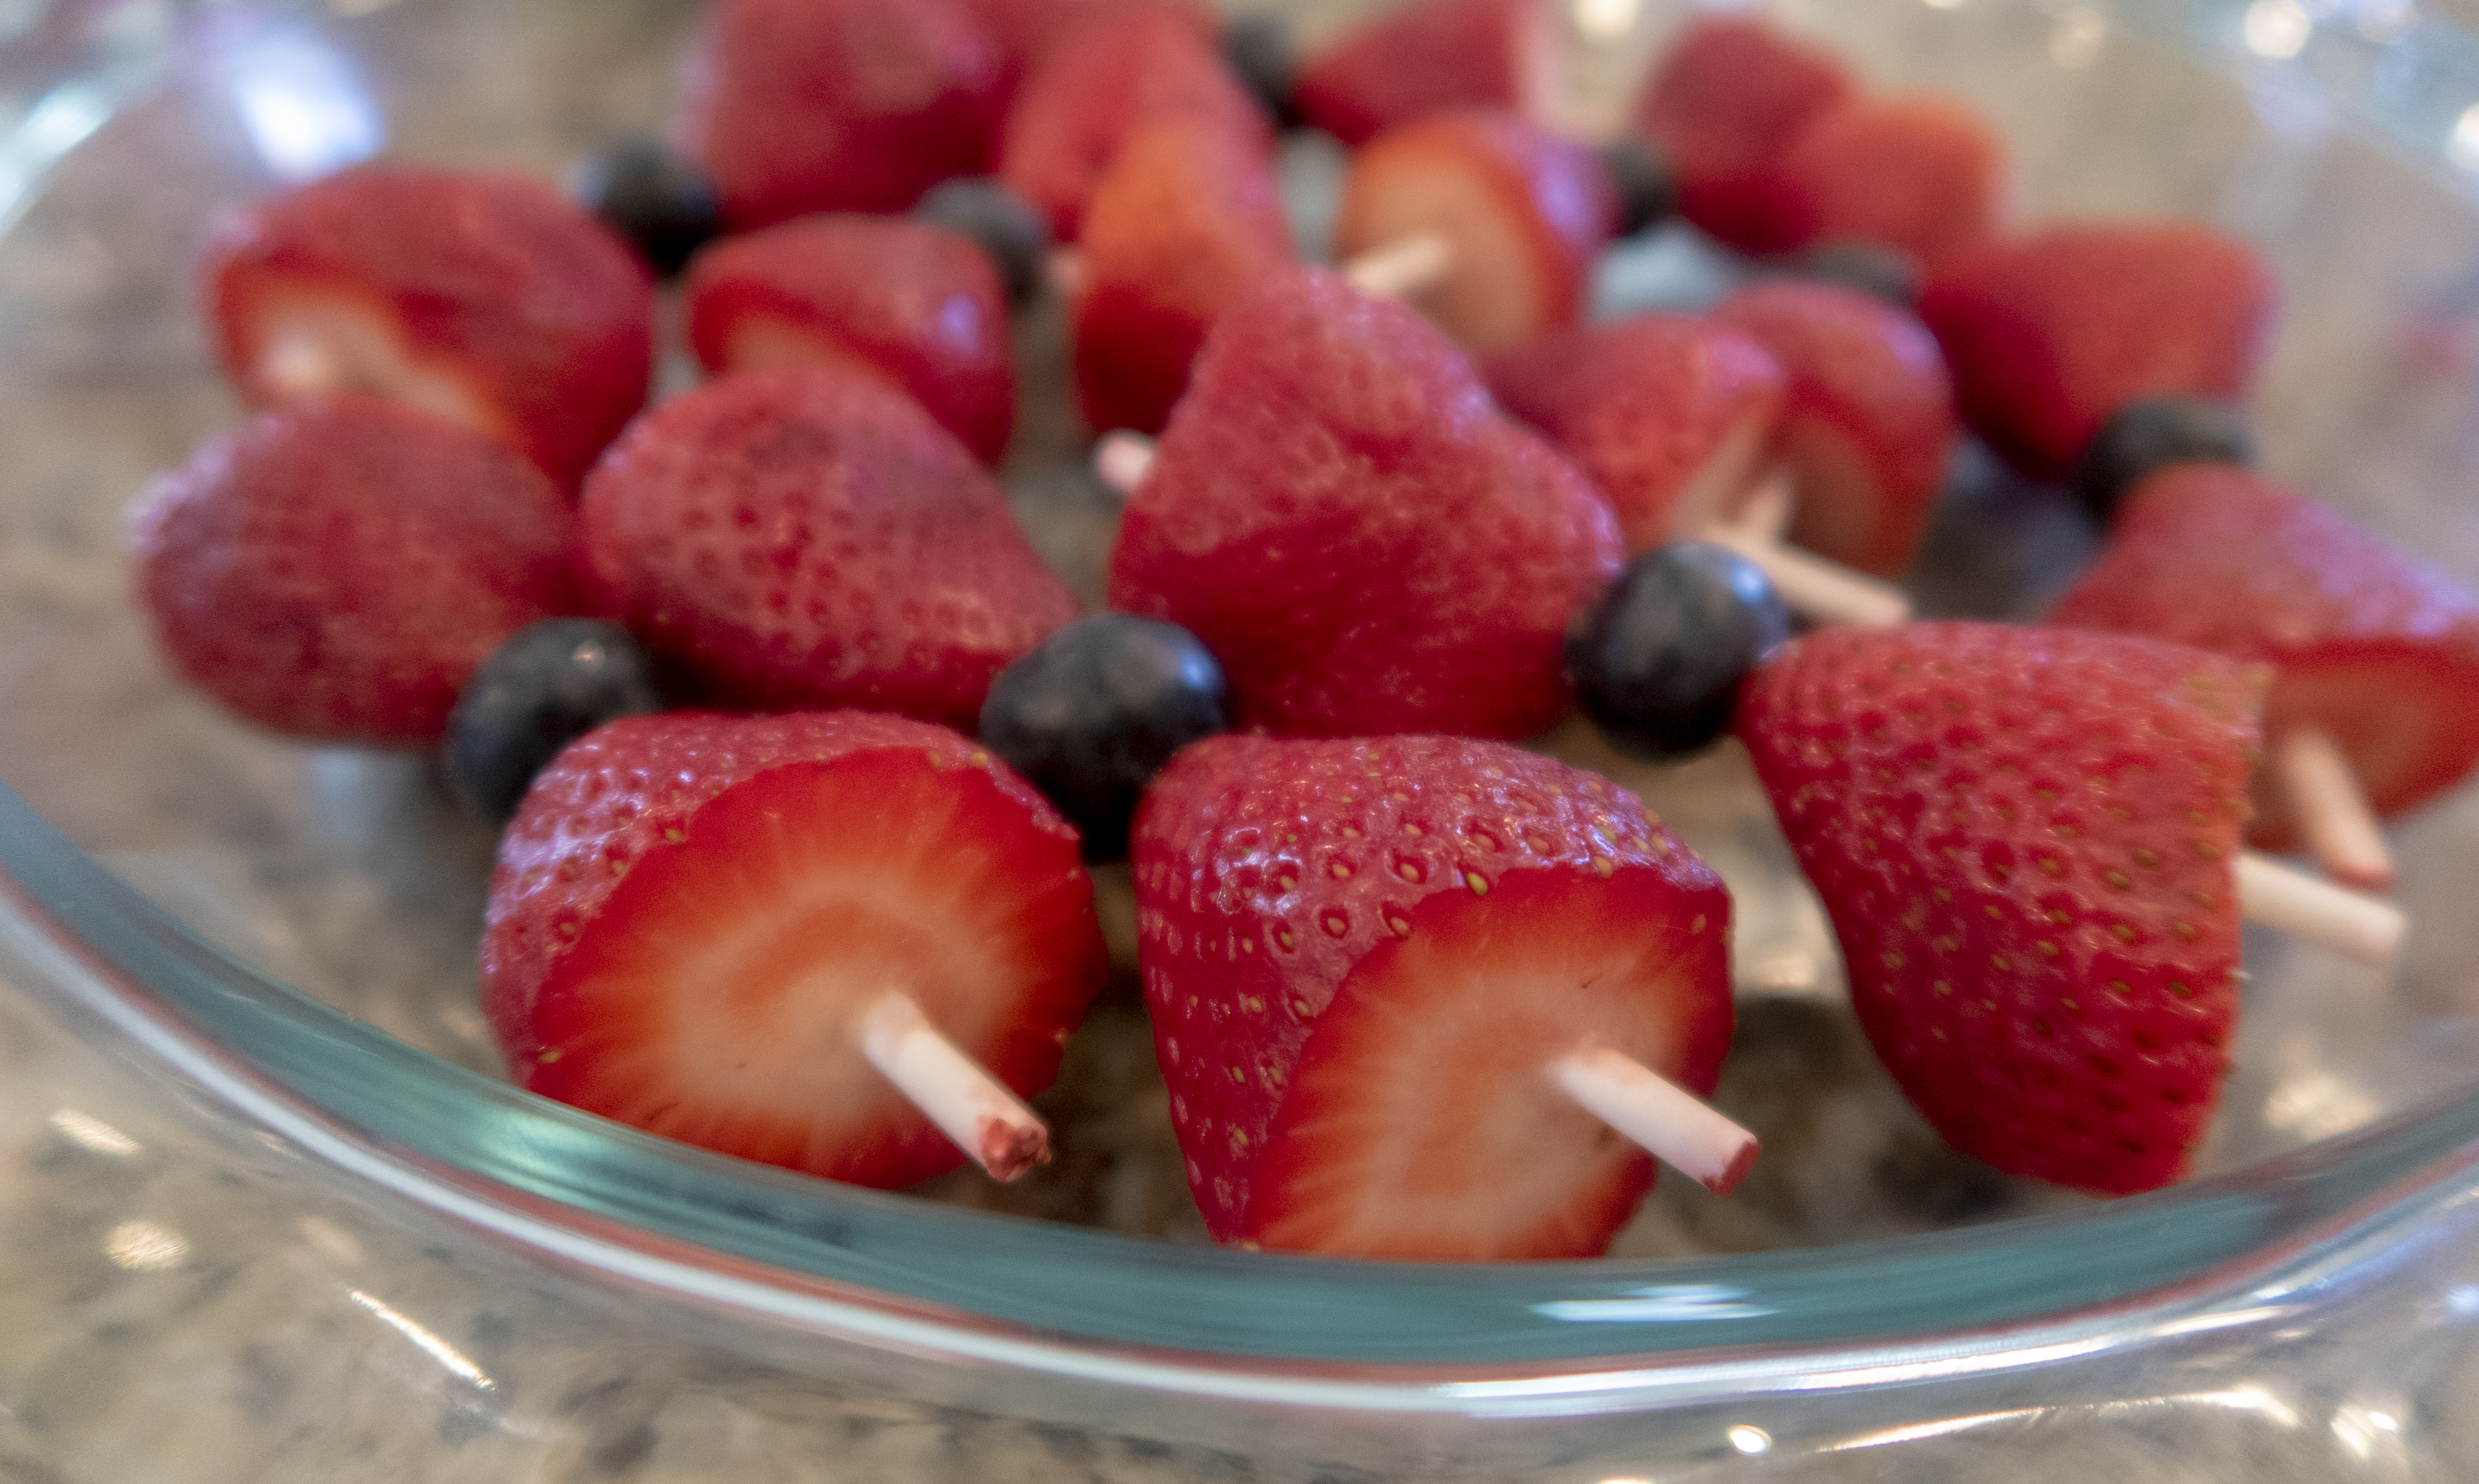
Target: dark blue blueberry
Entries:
(1260, 52)
(1872, 268)
(652, 196)
(1007, 226)
(1646, 187)
(548, 685)
(1658, 660)
(2151, 433)
(1093, 714)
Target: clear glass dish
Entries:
(267, 1214)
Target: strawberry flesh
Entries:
(1430, 55)
(1923, 174)
(1726, 104)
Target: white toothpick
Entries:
(2333, 812)
(1121, 460)
(1402, 268)
(1673, 1125)
(2345, 921)
(1815, 589)
(968, 1104)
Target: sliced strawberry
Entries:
(1187, 219)
(806, 537)
(1360, 956)
(798, 106)
(1867, 422)
(2026, 839)
(488, 300)
(1724, 104)
(1669, 415)
(2368, 644)
(336, 569)
(1429, 56)
(2051, 334)
(1343, 518)
(690, 912)
(919, 306)
(1921, 173)
(1524, 212)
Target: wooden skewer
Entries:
(2291, 901)
(1817, 590)
(1658, 1116)
(2339, 826)
(969, 1106)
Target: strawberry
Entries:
(485, 298)
(1343, 517)
(1186, 219)
(690, 911)
(1667, 412)
(918, 306)
(1360, 955)
(2050, 334)
(1137, 67)
(1525, 214)
(1427, 56)
(338, 567)
(1867, 422)
(2026, 839)
(1921, 173)
(1724, 104)
(808, 537)
(1025, 31)
(798, 106)
(2377, 649)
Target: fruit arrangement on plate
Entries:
(805, 752)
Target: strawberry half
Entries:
(1360, 955)
(2026, 838)
(799, 106)
(1924, 174)
(1669, 414)
(920, 307)
(806, 537)
(1187, 219)
(1724, 104)
(1525, 214)
(1027, 32)
(488, 300)
(1343, 518)
(2374, 647)
(690, 911)
(1429, 56)
(336, 569)
(1867, 424)
(2050, 334)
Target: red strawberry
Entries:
(1343, 517)
(1726, 104)
(486, 298)
(1427, 56)
(1186, 219)
(337, 568)
(918, 306)
(798, 106)
(1361, 955)
(806, 537)
(1921, 173)
(2050, 334)
(2377, 649)
(1668, 414)
(1025, 31)
(1523, 211)
(1868, 424)
(690, 911)
(1136, 67)
(2026, 839)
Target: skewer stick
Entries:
(1402, 268)
(1815, 589)
(1666, 1119)
(1121, 459)
(971, 1107)
(1763, 512)
(2333, 811)
(2345, 921)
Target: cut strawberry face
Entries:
(1522, 211)
(920, 306)
(1431, 56)
(485, 300)
(1361, 958)
(2371, 646)
(1923, 174)
(691, 914)
(2026, 839)
(1669, 415)
(1724, 104)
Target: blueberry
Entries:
(2149, 434)
(545, 686)
(1261, 54)
(1007, 226)
(1658, 660)
(1640, 176)
(652, 196)
(1872, 268)
(1093, 714)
